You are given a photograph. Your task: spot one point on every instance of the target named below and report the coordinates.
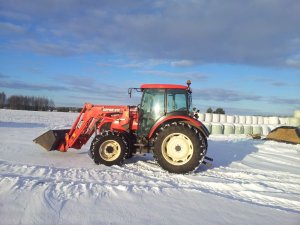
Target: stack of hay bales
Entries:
(221, 124)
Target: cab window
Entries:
(176, 100)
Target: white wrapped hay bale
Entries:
(242, 119)
(236, 119)
(231, 119)
(272, 127)
(217, 128)
(248, 119)
(208, 117)
(266, 120)
(223, 118)
(201, 116)
(297, 114)
(265, 129)
(254, 119)
(208, 126)
(273, 120)
(247, 129)
(228, 129)
(294, 122)
(283, 120)
(215, 118)
(257, 129)
(238, 129)
(260, 120)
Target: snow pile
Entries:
(251, 182)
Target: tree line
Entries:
(217, 111)
(32, 103)
(21, 102)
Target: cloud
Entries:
(224, 95)
(294, 61)
(186, 75)
(10, 28)
(244, 32)
(270, 81)
(284, 101)
(182, 63)
(27, 86)
(142, 63)
(3, 76)
(59, 48)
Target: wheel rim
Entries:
(177, 149)
(110, 150)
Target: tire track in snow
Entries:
(280, 190)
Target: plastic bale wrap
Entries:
(208, 126)
(265, 129)
(242, 119)
(294, 122)
(297, 114)
(208, 117)
(249, 120)
(236, 119)
(217, 128)
(283, 120)
(215, 118)
(239, 129)
(272, 127)
(260, 120)
(254, 120)
(223, 118)
(228, 129)
(257, 129)
(201, 116)
(247, 129)
(231, 119)
(266, 120)
(273, 120)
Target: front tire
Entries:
(109, 148)
(179, 148)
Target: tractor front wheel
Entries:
(109, 148)
(179, 148)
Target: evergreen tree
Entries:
(209, 110)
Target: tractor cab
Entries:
(162, 100)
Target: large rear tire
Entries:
(179, 148)
(109, 148)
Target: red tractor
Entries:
(163, 123)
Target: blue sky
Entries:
(243, 56)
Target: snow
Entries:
(250, 182)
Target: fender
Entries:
(182, 117)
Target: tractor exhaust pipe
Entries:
(52, 139)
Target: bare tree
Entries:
(30, 103)
(2, 99)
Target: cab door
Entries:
(152, 108)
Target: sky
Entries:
(242, 56)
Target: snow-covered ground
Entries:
(251, 182)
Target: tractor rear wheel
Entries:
(109, 148)
(179, 148)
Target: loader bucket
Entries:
(52, 139)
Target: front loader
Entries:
(162, 123)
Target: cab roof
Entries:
(163, 86)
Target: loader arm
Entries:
(89, 120)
